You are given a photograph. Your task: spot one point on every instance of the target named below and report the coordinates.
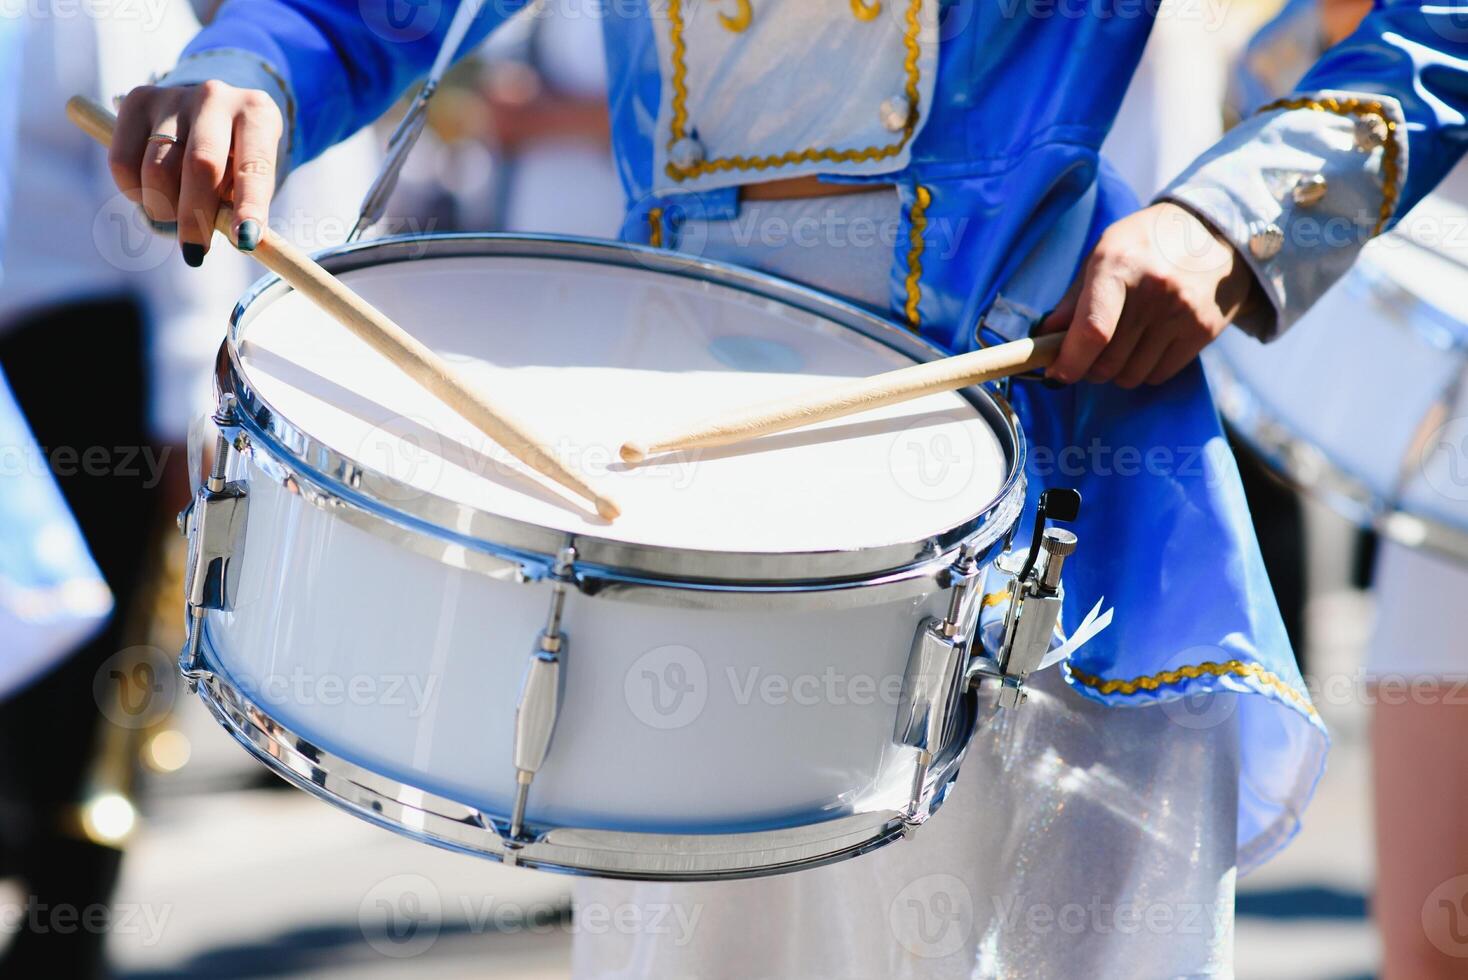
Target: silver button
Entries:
(1309, 191)
(1265, 243)
(686, 153)
(895, 113)
(1370, 133)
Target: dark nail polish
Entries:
(169, 228)
(192, 254)
(248, 235)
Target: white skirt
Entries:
(1079, 841)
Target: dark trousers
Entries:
(78, 373)
(1279, 523)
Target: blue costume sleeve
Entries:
(334, 65)
(1301, 186)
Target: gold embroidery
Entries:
(918, 220)
(865, 11)
(678, 125)
(742, 18)
(655, 227)
(1151, 682)
(1390, 152)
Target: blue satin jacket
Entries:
(1003, 192)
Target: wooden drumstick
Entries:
(850, 397)
(373, 326)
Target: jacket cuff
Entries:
(1298, 189)
(242, 69)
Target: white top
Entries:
(591, 356)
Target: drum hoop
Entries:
(509, 546)
(1313, 470)
(432, 819)
(1371, 281)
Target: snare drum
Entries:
(748, 672)
(1363, 401)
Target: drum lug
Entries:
(1034, 609)
(540, 695)
(214, 523)
(934, 679)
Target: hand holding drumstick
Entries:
(859, 395)
(381, 333)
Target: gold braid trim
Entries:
(1391, 152)
(918, 220)
(1151, 682)
(655, 227)
(679, 124)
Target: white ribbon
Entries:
(1094, 623)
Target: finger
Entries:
(1098, 309)
(160, 167)
(205, 164)
(1156, 339)
(256, 139)
(1059, 318)
(1128, 335)
(129, 140)
(1175, 358)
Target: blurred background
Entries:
(120, 782)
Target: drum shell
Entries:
(410, 667)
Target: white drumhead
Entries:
(591, 355)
